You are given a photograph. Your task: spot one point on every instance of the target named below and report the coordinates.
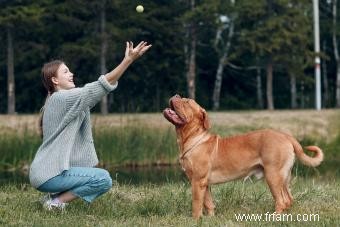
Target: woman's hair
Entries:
(48, 71)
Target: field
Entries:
(148, 140)
(170, 205)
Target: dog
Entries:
(208, 159)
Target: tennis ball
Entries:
(140, 9)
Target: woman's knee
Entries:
(108, 184)
(104, 180)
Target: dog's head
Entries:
(186, 112)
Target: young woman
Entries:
(64, 163)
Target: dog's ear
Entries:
(206, 122)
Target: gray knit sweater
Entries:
(67, 140)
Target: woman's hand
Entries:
(132, 54)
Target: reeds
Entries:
(129, 140)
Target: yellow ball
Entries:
(140, 9)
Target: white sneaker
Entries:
(49, 204)
(46, 197)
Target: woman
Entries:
(64, 163)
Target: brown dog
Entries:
(209, 159)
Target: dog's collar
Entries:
(201, 139)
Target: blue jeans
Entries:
(84, 182)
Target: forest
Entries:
(226, 54)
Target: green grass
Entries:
(316, 190)
(117, 146)
(136, 145)
(126, 140)
(132, 142)
(17, 150)
(170, 205)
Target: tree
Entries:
(232, 71)
(259, 95)
(103, 51)
(326, 96)
(336, 54)
(10, 73)
(190, 27)
(274, 26)
(222, 44)
(328, 60)
(14, 17)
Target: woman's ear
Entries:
(206, 122)
(54, 80)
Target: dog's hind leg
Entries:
(208, 202)
(276, 183)
(286, 173)
(289, 196)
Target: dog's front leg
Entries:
(198, 191)
(208, 202)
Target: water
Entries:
(133, 176)
(12, 178)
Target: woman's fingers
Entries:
(140, 45)
(139, 50)
(127, 49)
(144, 49)
(131, 45)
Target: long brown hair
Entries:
(48, 71)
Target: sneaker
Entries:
(49, 204)
(46, 197)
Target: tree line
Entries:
(226, 54)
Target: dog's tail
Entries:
(305, 159)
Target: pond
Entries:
(134, 176)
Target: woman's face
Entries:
(64, 78)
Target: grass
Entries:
(146, 139)
(170, 205)
(17, 151)
(135, 145)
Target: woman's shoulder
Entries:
(57, 97)
(63, 94)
